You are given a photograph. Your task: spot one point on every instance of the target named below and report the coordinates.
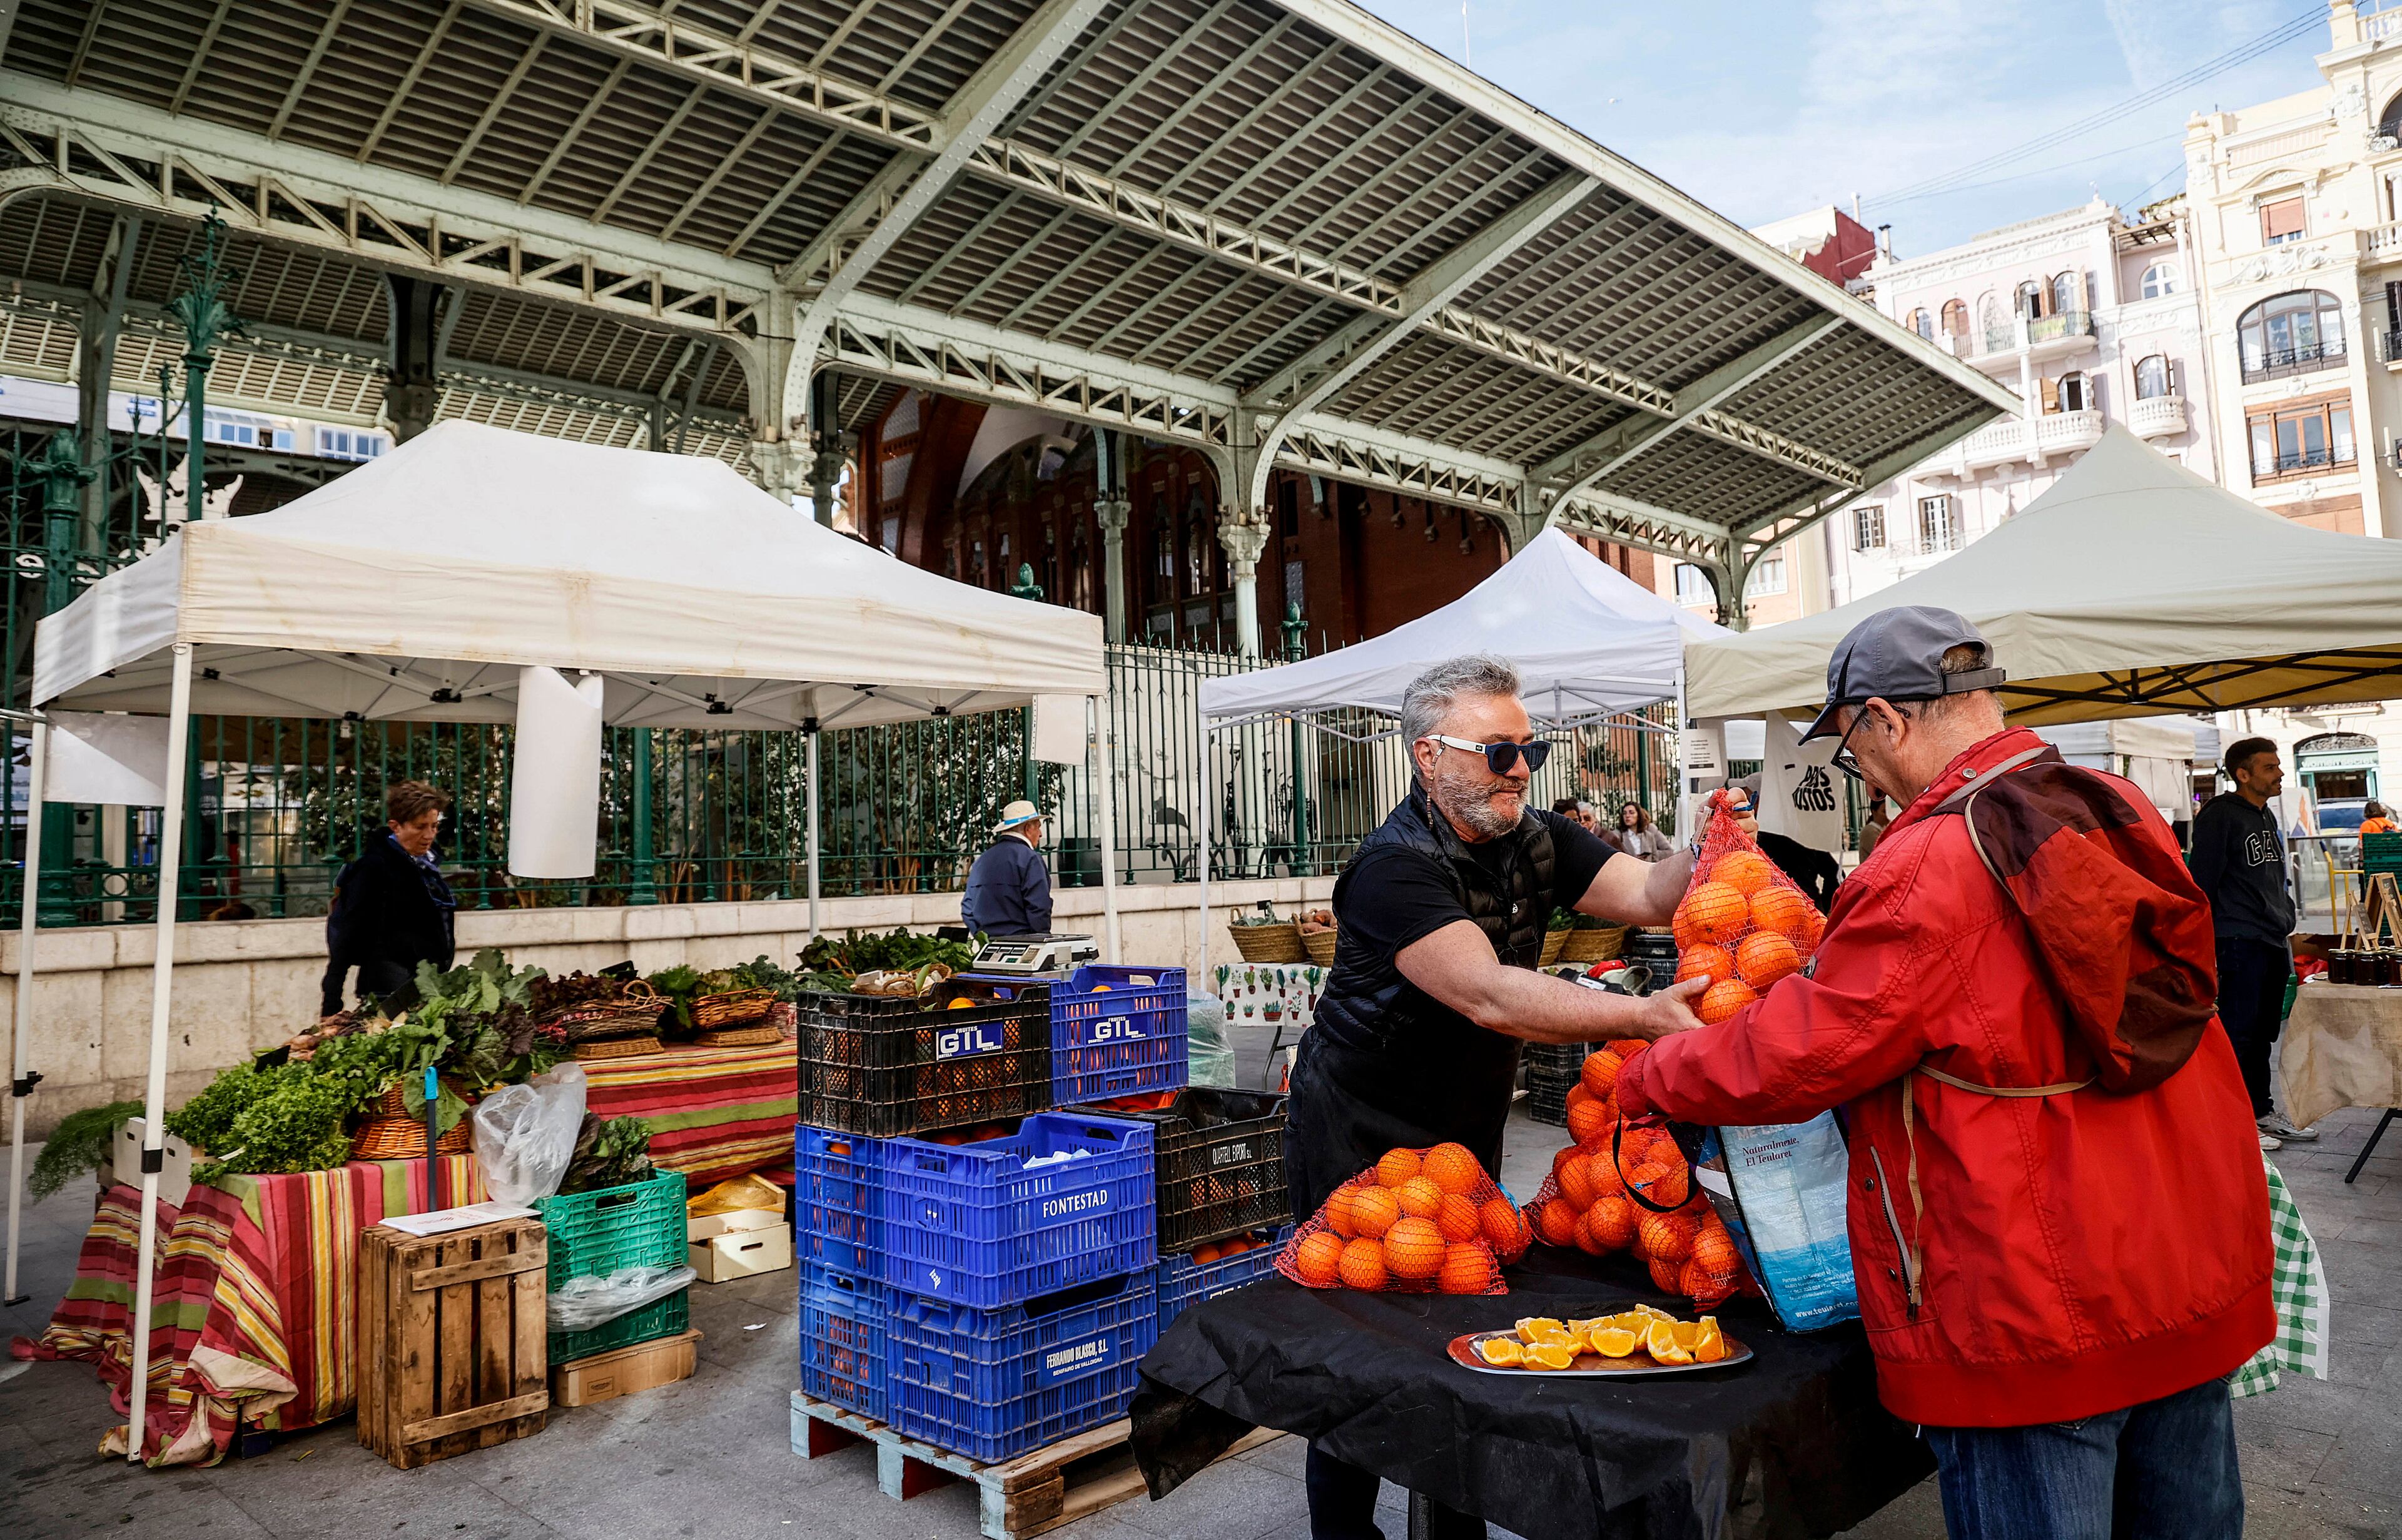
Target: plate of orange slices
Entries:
(1639, 1341)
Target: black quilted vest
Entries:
(1368, 1004)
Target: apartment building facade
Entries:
(2093, 319)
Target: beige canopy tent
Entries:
(2132, 587)
(420, 587)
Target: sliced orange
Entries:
(1541, 1328)
(1661, 1342)
(1709, 1343)
(1688, 1333)
(1614, 1342)
(1550, 1355)
(1501, 1352)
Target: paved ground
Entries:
(710, 1457)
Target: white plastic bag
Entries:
(1210, 1061)
(584, 1303)
(525, 1134)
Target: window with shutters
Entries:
(2281, 221)
(2301, 438)
(2067, 293)
(1939, 524)
(2290, 334)
(1693, 585)
(2050, 392)
(1956, 323)
(2153, 379)
(2075, 392)
(2033, 298)
(1868, 528)
(1920, 322)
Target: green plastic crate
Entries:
(640, 1224)
(2380, 853)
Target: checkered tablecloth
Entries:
(2300, 1286)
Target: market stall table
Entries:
(2342, 1047)
(254, 1297)
(714, 1112)
(1792, 1443)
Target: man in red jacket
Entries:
(2059, 1220)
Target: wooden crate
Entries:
(452, 1340)
(622, 1371)
(1032, 1494)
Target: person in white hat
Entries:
(1009, 886)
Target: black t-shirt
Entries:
(1393, 896)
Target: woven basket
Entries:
(742, 1037)
(403, 1139)
(619, 1048)
(732, 1007)
(634, 1012)
(1554, 943)
(1269, 943)
(1319, 946)
(1592, 947)
(391, 1103)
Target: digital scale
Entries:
(1035, 956)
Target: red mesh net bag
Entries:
(1629, 1186)
(1742, 922)
(1418, 1221)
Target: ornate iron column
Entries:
(64, 476)
(200, 309)
(1297, 647)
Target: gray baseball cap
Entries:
(1898, 655)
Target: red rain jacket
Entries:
(2076, 1252)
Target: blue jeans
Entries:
(2162, 1470)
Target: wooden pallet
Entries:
(1017, 1499)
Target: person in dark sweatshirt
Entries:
(392, 908)
(2239, 861)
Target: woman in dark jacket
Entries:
(392, 909)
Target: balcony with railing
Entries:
(2157, 417)
(2283, 362)
(2294, 462)
(2389, 347)
(2043, 336)
(2068, 433)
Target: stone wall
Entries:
(243, 985)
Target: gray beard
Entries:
(1463, 797)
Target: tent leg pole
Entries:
(1201, 824)
(813, 737)
(162, 991)
(1684, 822)
(20, 1075)
(1100, 742)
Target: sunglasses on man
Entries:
(1498, 756)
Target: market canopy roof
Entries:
(1588, 641)
(1281, 231)
(2132, 587)
(414, 588)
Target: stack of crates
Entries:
(593, 1234)
(976, 1270)
(1218, 1159)
(1552, 1072)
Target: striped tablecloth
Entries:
(714, 1112)
(254, 1305)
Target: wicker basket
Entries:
(758, 1036)
(619, 1048)
(732, 1007)
(1554, 941)
(635, 1011)
(1592, 947)
(403, 1139)
(1319, 946)
(393, 1104)
(1279, 943)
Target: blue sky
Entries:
(1764, 110)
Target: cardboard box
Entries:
(723, 1258)
(125, 1162)
(732, 1223)
(622, 1371)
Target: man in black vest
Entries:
(1440, 915)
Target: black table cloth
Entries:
(1789, 1444)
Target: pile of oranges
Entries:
(1589, 1203)
(1743, 925)
(1233, 1246)
(1417, 1221)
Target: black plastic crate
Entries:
(1219, 1157)
(891, 1065)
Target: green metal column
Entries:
(1297, 647)
(200, 309)
(1026, 588)
(64, 476)
(644, 887)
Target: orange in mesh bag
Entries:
(1630, 1187)
(1742, 923)
(1418, 1221)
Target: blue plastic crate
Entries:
(838, 1201)
(1183, 1283)
(975, 1225)
(845, 1346)
(1117, 1042)
(993, 1384)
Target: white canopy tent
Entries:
(418, 586)
(2132, 587)
(1590, 645)
(2156, 753)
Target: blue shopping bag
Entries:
(1780, 1190)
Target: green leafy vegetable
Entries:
(79, 1144)
(297, 1127)
(206, 1121)
(609, 1152)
